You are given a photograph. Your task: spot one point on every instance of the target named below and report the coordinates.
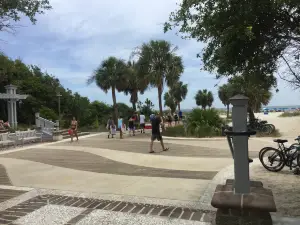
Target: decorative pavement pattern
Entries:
(86, 206)
(116, 167)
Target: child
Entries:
(113, 130)
(108, 126)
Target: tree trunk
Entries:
(134, 99)
(227, 111)
(251, 115)
(159, 100)
(134, 106)
(113, 92)
(178, 104)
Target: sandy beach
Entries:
(287, 126)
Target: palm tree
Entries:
(210, 99)
(170, 102)
(179, 92)
(110, 75)
(225, 93)
(135, 83)
(160, 64)
(204, 98)
(256, 87)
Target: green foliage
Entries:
(258, 90)
(96, 123)
(179, 91)
(160, 65)
(204, 98)
(176, 131)
(170, 102)
(136, 82)
(45, 112)
(42, 89)
(15, 9)
(111, 74)
(146, 108)
(225, 93)
(199, 123)
(200, 117)
(290, 114)
(244, 37)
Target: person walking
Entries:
(74, 127)
(176, 118)
(109, 126)
(142, 123)
(169, 120)
(136, 122)
(180, 115)
(120, 126)
(131, 125)
(156, 135)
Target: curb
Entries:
(197, 139)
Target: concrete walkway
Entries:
(111, 181)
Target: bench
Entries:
(27, 136)
(6, 140)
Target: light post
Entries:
(58, 95)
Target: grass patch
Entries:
(276, 133)
(290, 114)
(200, 132)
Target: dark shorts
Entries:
(142, 125)
(156, 137)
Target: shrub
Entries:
(201, 120)
(177, 131)
(290, 114)
(48, 113)
(199, 123)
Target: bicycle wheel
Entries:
(261, 151)
(271, 126)
(266, 129)
(274, 157)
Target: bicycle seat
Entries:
(281, 141)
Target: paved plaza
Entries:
(112, 181)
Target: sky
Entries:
(72, 39)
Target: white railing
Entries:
(46, 126)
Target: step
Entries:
(79, 135)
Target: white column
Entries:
(9, 112)
(15, 115)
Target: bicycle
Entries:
(261, 126)
(283, 155)
(281, 146)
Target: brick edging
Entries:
(9, 215)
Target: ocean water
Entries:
(287, 107)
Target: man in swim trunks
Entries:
(156, 135)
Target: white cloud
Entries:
(71, 40)
(79, 19)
